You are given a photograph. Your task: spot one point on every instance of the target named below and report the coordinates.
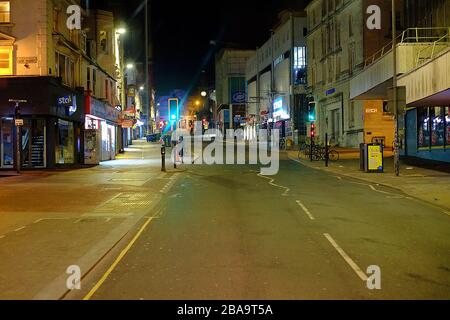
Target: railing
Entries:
(413, 35)
(438, 46)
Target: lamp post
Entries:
(394, 84)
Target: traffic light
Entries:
(173, 109)
(312, 111)
(313, 130)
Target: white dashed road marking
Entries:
(308, 213)
(347, 259)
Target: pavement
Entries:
(217, 232)
(432, 186)
(50, 220)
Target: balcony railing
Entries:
(433, 36)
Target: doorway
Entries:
(6, 143)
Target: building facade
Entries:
(339, 43)
(422, 48)
(276, 80)
(67, 92)
(230, 88)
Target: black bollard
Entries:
(163, 158)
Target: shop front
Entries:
(281, 116)
(428, 133)
(101, 131)
(52, 122)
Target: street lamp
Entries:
(203, 94)
(121, 30)
(130, 66)
(141, 88)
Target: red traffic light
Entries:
(313, 130)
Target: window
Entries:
(94, 82)
(423, 126)
(65, 68)
(5, 61)
(351, 59)
(5, 14)
(55, 19)
(338, 34)
(103, 39)
(300, 65)
(350, 26)
(88, 78)
(447, 124)
(437, 126)
(351, 115)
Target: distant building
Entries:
(276, 80)
(230, 87)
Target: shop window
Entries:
(423, 127)
(447, 124)
(65, 143)
(5, 12)
(5, 61)
(437, 126)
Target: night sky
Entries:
(182, 31)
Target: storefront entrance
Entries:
(6, 143)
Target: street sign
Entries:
(19, 122)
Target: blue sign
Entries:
(68, 102)
(330, 91)
(238, 97)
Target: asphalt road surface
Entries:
(226, 232)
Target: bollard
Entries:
(163, 158)
(175, 152)
(327, 150)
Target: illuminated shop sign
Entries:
(68, 102)
(280, 109)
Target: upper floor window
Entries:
(103, 39)
(5, 14)
(5, 61)
(65, 68)
(300, 65)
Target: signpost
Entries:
(18, 123)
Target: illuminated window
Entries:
(5, 61)
(5, 15)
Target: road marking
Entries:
(116, 262)
(305, 209)
(347, 259)
(339, 178)
(384, 192)
(271, 182)
(2, 236)
(18, 229)
(38, 220)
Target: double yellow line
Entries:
(117, 261)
